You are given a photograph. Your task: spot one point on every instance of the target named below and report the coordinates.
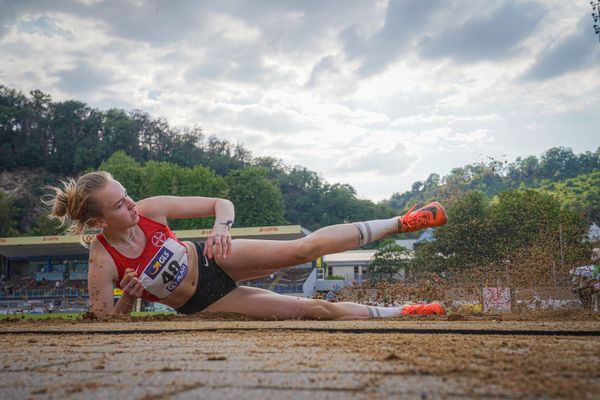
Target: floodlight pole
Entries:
(596, 16)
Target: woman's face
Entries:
(118, 209)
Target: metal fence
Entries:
(42, 293)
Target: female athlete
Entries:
(137, 252)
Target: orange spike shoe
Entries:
(431, 215)
(422, 308)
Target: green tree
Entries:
(46, 226)
(257, 199)
(13, 107)
(524, 171)
(34, 136)
(466, 240)
(72, 137)
(128, 171)
(119, 133)
(197, 181)
(302, 191)
(155, 137)
(389, 260)
(536, 235)
(185, 149)
(163, 178)
(559, 163)
(517, 234)
(520, 216)
(8, 212)
(581, 194)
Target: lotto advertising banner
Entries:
(191, 233)
(10, 241)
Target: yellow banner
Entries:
(254, 231)
(38, 240)
(117, 292)
(190, 233)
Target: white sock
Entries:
(384, 312)
(370, 231)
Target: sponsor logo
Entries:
(87, 238)
(158, 262)
(204, 260)
(269, 229)
(158, 239)
(362, 236)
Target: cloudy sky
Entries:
(377, 94)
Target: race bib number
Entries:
(166, 270)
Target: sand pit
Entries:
(552, 356)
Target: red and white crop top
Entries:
(161, 267)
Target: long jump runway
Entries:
(207, 359)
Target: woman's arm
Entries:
(102, 273)
(132, 290)
(218, 243)
(100, 282)
(160, 208)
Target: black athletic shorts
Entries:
(213, 283)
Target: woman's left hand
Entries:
(218, 244)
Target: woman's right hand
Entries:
(130, 284)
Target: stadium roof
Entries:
(68, 245)
(350, 256)
(353, 257)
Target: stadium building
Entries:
(49, 273)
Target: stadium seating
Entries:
(287, 281)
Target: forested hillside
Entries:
(574, 178)
(43, 140)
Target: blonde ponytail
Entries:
(73, 202)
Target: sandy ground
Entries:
(224, 358)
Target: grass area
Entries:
(72, 315)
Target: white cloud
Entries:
(232, 29)
(369, 93)
(428, 119)
(383, 162)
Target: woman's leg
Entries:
(251, 258)
(263, 304)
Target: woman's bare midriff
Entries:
(188, 286)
